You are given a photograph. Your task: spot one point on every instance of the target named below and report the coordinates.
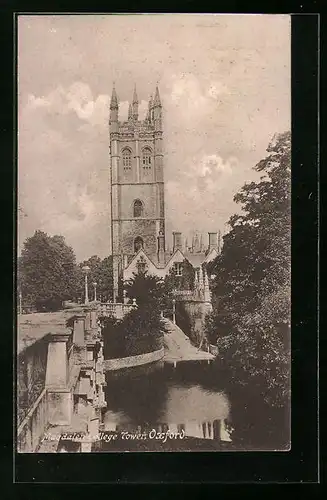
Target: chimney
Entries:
(213, 241)
(177, 241)
(161, 248)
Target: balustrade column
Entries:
(88, 321)
(57, 361)
(93, 318)
(60, 399)
(79, 330)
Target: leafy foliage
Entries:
(148, 290)
(47, 271)
(183, 282)
(252, 277)
(100, 273)
(141, 330)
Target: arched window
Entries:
(138, 243)
(146, 158)
(127, 159)
(138, 208)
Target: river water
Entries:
(191, 406)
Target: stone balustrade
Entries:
(60, 378)
(117, 310)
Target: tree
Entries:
(141, 329)
(105, 279)
(47, 271)
(252, 274)
(100, 273)
(148, 290)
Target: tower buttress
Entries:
(114, 179)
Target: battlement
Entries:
(132, 127)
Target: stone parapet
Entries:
(73, 377)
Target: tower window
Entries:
(138, 244)
(127, 159)
(146, 158)
(138, 208)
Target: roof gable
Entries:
(211, 255)
(177, 256)
(140, 253)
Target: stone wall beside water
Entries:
(131, 361)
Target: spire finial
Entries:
(114, 98)
(135, 99)
(157, 101)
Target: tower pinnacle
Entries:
(135, 105)
(113, 119)
(114, 99)
(150, 105)
(135, 99)
(157, 111)
(157, 102)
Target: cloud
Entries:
(63, 170)
(191, 99)
(195, 197)
(37, 102)
(214, 164)
(217, 89)
(225, 88)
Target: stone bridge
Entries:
(60, 376)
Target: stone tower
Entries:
(137, 184)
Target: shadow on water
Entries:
(196, 397)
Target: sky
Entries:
(224, 82)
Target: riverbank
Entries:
(178, 346)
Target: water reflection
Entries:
(195, 399)
(182, 399)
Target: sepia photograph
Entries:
(153, 233)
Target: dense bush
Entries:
(141, 330)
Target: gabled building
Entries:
(138, 198)
(172, 260)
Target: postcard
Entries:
(154, 227)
